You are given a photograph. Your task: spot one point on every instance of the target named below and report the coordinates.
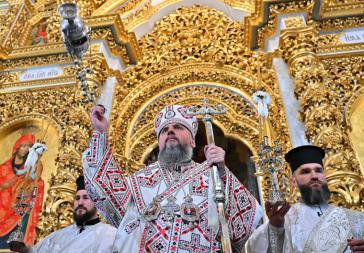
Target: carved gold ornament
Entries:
(192, 53)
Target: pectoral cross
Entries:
(169, 210)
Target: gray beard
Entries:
(175, 155)
(311, 196)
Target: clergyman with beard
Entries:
(167, 206)
(86, 235)
(312, 224)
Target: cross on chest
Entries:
(170, 208)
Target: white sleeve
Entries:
(45, 245)
(259, 240)
(266, 238)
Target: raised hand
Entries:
(98, 120)
(276, 212)
(356, 245)
(215, 155)
(19, 247)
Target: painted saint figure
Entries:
(15, 179)
(39, 34)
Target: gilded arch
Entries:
(185, 38)
(349, 190)
(354, 111)
(132, 135)
(194, 53)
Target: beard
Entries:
(81, 218)
(175, 154)
(315, 196)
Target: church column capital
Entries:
(298, 48)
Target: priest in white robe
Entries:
(166, 206)
(86, 235)
(312, 225)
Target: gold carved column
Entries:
(320, 112)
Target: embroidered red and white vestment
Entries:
(122, 199)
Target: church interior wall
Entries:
(147, 54)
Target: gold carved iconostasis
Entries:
(148, 54)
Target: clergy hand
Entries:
(98, 120)
(356, 245)
(18, 247)
(276, 212)
(215, 155)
